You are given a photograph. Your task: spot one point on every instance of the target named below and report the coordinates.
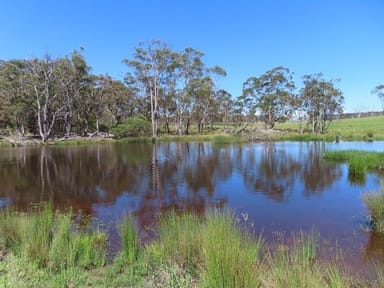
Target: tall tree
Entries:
(379, 92)
(120, 100)
(150, 65)
(78, 90)
(190, 67)
(225, 106)
(321, 100)
(271, 93)
(47, 78)
(15, 97)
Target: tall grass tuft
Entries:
(28, 234)
(375, 205)
(51, 239)
(181, 238)
(129, 239)
(358, 161)
(293, 266)
(357, 166)
(230, 256)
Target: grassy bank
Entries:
(359, 162)
(359, 129)
(48, 249)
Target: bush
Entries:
(134, 127)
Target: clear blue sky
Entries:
(341, 38)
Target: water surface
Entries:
(280, 188)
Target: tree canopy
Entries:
(169, 89)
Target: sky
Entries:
(343, 39)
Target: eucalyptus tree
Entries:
(119, 100)
(225, 106)
(78, 91)
(48, 79)
(379, 92)
(271, 93)
(150, 67)
(204, 98)
(321, 100)
(15, 100)
(189, 67)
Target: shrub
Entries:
(134, 127)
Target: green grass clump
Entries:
(51, 240)
(188, 251)
(27, 236)
(181, 238)
(230, 255)
(375, 205)
(129, 240)
(297, 265)
(294, 266)
(359, 162)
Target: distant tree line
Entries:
(163, 90)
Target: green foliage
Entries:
(51, 240)
(321, 100)
(363, 129)
(188, 251)
(358, 161)
(271, 93)
(134, 127)
(129, 239)
(230, 256)
(379, 92)
(375, 205)
(357, 166)
(181, 238)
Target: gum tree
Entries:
(271, 93)
(321, 100)
(379, 92)
(150, 66)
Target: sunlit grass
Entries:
(359, 162)
(365, 128)
(188, 251)
(375, 204)
(51, 240)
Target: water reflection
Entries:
(170, 174)
(283, 186)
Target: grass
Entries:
(51, 240)
(188, 251)
(129, 240)
(230, 256)
(362, 129)
(375, 205)
(359, 162)
(217, 139)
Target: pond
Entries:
(279, 188)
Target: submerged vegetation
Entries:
(43, 248)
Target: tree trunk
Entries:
(179, 124)
(68, 124)
(187, 127)
(97, 127)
